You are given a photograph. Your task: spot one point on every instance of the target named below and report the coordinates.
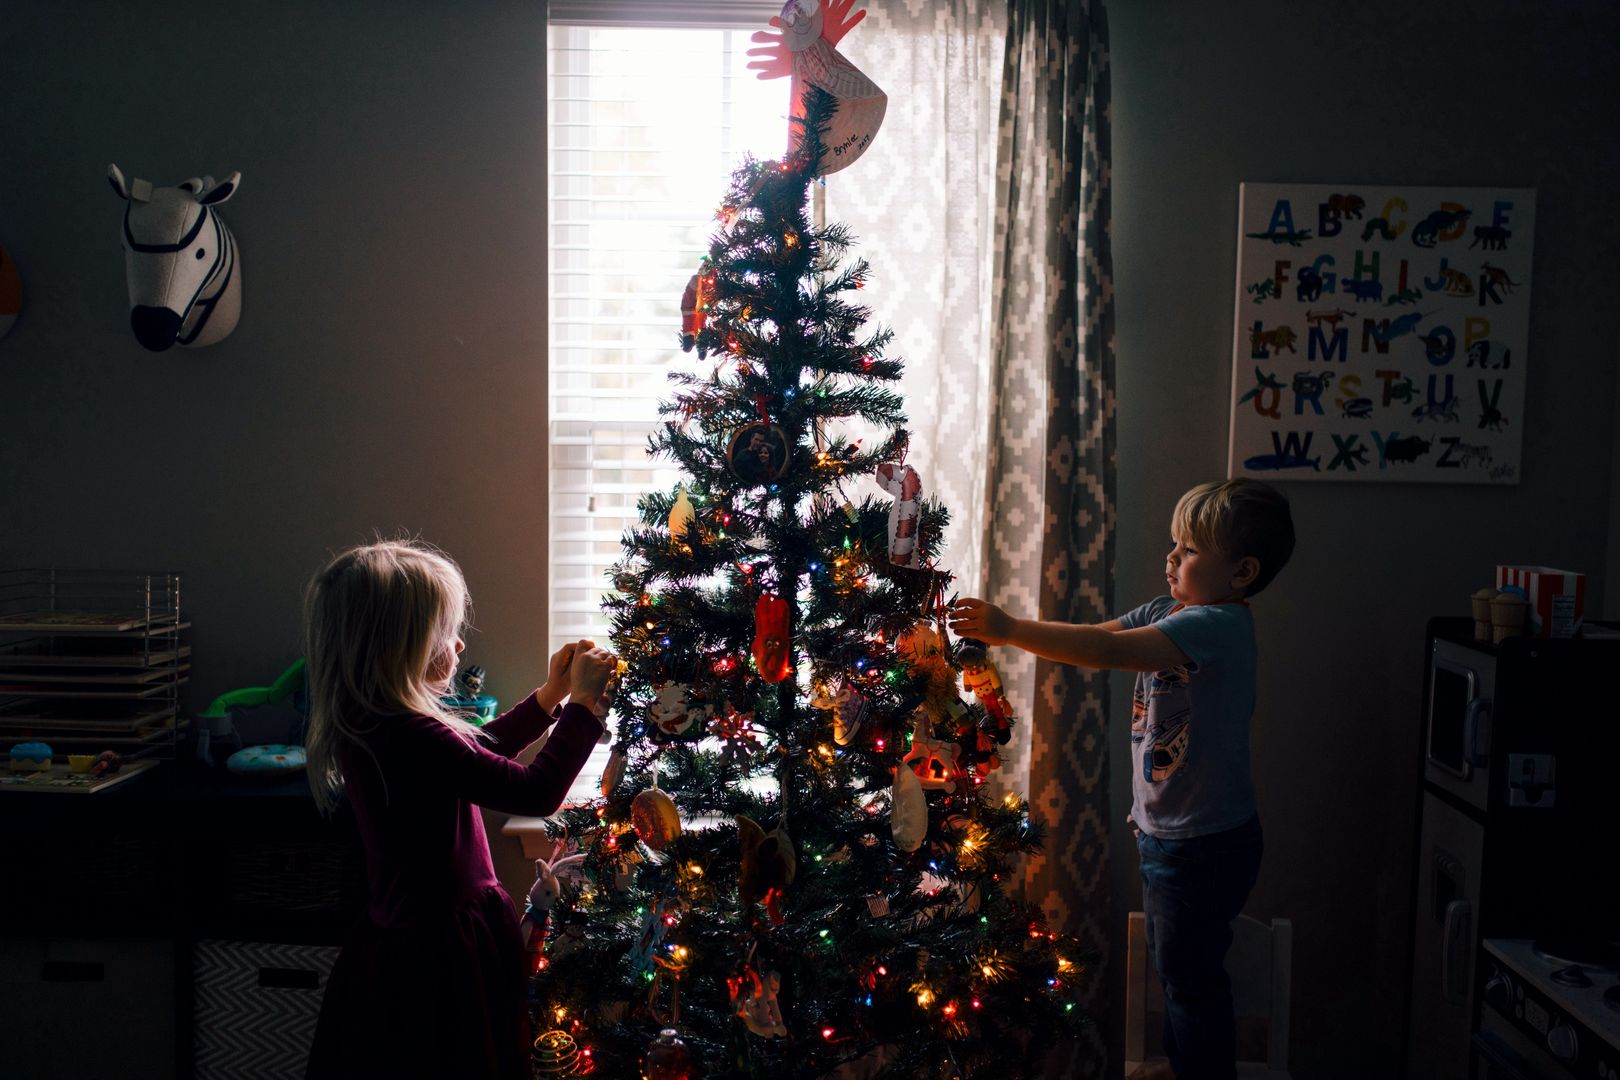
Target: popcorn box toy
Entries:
(1557, 598)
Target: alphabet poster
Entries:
(1381, 333)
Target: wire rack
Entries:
(92, 660)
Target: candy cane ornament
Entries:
(905, 485)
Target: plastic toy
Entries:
(31, 757)
(218, 721)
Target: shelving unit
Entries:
(92, 660)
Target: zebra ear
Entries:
(116, 178)
(221, 191)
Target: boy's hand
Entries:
(556, 685)
(975, 618)
(589, 672)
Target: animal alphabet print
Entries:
(1381, 333)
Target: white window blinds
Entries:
(645, 127)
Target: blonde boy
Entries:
(1192, 797)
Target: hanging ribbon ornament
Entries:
(803, 46)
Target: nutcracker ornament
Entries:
(694, 308)
(980, 676)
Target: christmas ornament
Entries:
(908, 810)
(650, 940)
(853, 710)
(804, 47)
(923, 648)
(672, 712)
(613, 774)
(669, 1059)
(759, 453)
(627, 581)
(554, 1054)
(771, 637)
(905, 485)
(537, 910)
(754, 998)
(694, 306)
(989, 761)
(680, 517)
(655, 819)
(605, 700)
(768, 866)
(980, 676)
(933, 761)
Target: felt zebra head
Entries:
(185, 279)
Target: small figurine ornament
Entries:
(680, 517)
(853, 710)
(694, 304)
(537, 910)
(607, 698)
(933, 761)
(905, 485)
(771, 638)
(754, 997)
(980, 676)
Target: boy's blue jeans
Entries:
(1191, 892)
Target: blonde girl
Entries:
(431, 981)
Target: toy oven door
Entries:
(1457, 740)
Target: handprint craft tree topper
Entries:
(803, 46)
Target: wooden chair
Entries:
(1259, 964)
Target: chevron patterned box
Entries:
(255, 1008)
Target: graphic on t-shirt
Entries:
(1164, 755)
(1139, 711)
(1167, 711)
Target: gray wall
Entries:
(388, 372)
(1206, 96)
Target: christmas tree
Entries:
(796, 865)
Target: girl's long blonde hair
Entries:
(375, 620)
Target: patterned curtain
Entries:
(1049, 547)
(982, 206)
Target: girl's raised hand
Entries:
(589, 672)
(556, 687)
(975, 618)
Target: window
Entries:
(644, 128)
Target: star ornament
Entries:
(802, 45)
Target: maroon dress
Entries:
(433, 982)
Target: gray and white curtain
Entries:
(983, 207)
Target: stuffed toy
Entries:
(537, 910)
(184, 274)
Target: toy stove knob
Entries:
(1563, 1042)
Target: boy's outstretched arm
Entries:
(1104, 645)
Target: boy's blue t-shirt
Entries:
(1190, 724)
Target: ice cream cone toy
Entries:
(1508, 611)
(1481, 603)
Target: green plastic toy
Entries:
(218, 720)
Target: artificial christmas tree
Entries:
(794, 864)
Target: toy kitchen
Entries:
(1516, 934)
